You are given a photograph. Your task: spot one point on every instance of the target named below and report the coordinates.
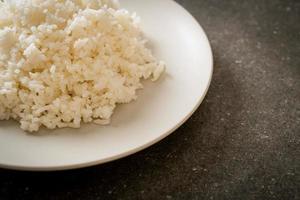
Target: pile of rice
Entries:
(64, 62)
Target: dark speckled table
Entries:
(242, 143)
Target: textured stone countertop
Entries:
(242, 143)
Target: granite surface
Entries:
(242, 143)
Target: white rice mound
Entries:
(64, 62)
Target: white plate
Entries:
(162, 107)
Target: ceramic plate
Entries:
(162, 107)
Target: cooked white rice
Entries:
(64, 62)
